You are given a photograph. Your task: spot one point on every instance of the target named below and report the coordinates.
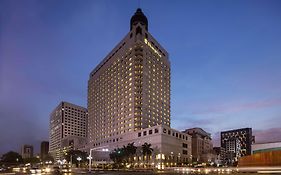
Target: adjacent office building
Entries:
(129, 92)
(44, 149)
(68, 126)
(27, 151)
(202, 145)
(219, 155)
(232, 150)
(244, 136)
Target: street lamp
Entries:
(90, 161)
(90, 156)
(59, 162)
(79, 159)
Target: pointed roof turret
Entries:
(139, 17)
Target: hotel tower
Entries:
(129, 100)
(130, 89)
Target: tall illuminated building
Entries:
(130, 89)
(68, 129)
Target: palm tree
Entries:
(117, 155)
(131, 151)
(124, 154)
(147, 151)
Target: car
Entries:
(35, 170)
(66, 169)
(46, 169)
(56, 169)
(2, 169)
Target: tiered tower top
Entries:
(139, 17)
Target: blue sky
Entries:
(225, 61)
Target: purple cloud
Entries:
(230, 108)
(267, 135)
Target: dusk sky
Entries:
(225, 61)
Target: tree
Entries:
(72, 155)
(48, 158)
(11, 158)
(124, 154)
(147, 151)
(31, 160)
(117, 156)
(131, 151)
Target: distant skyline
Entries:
(225, 61)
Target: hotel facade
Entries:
(129, 93)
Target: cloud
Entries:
(231, 108)
(183, 123)
(267, 135)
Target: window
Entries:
(184, 152)
(150, 132)
(139, 134)
(156, 130)
(169, 132)
(177, 135)
(144, 133)
(184, 145)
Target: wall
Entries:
(272, 158)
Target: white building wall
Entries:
(265, 146)
(162, 143)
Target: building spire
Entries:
(139, 17)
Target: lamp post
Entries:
(90, 162)
(90, 159)
(79, 159)
(90, 156)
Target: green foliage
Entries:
(32, 160)
(123, 155)
(117, 155)
(48, 158)
(72, 155)
(131, 149)
(146, 149)
(11, 158)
